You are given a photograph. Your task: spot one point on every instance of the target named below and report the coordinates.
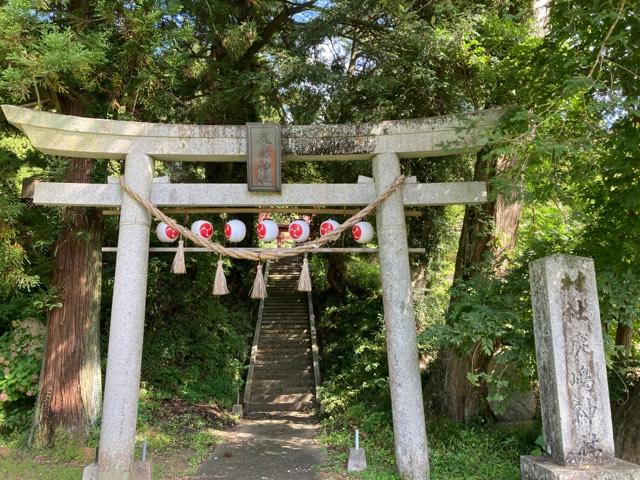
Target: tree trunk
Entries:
(624, 337)
(70, 393)
(336, 274)
(627, 425)
(488, 232)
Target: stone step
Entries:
(285, 324)
(279, 407)
(284, 352)
(283, 331)
(281, 398)
(283, 308)
(285, 319)
(281, 344)
(278, 389)
(284, 327)
(276, 303)
(284, 385)
(286, 309)
(276, 364)
(267, 359)
(268, 341)
(283, 375)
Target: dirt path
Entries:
(278, 447)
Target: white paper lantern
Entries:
(235, 231)
(362, 232)
(267, 230)
(202, 229)
(299, 231)
(328, 226)
(165, 233)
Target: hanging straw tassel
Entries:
(304, 282)
(178, 265)
(220, 283)
(259, 289)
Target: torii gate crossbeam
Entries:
(139, 144)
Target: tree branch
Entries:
(271, 28)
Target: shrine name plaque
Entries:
(264, 157)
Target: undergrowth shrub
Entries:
(21, 352)
(195, 344)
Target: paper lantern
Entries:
(267, 230)
(328, 226)
(165, 233)
(235, 230)
(362, 232)
(299, 231)
(202, 229)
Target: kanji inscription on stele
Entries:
(264, 157)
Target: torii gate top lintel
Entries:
(71, 136)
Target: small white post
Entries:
(122, 383)
(409, 429)
(357, 461)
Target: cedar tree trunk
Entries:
(69, 399)
(488, 230)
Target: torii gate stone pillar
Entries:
(139, 144)
(122, 381)
(409, 430)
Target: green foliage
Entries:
(457, 452)
(32, 469)
(20, 361)
(195, 345)
(354, 347)
(170, 425)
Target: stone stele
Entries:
(576, 415)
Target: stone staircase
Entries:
(281, 373)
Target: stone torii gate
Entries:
(140, 144)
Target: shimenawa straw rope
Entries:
(263, 254)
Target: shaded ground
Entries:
(275, 447)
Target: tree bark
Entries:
(336, 274)
(626, 426)
(70, 394)
(624, 337)
(489, 231)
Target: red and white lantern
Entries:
(327, 227)
(166, 234)
(235, 231)
(267, 230)
(362, 232)
(202, 229)
(299, 231)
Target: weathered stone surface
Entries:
(357, 460)
(236, 195)
(90, 472)
(543, 468)
(96, 138)
(141, 470)
(576, 415)
(124, 355)
(410, 437)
